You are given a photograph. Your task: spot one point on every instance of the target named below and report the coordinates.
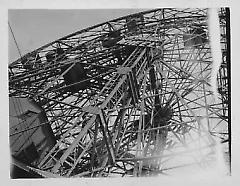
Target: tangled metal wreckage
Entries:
(128, 97)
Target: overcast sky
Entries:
(34, 28)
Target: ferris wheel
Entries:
(128, 97)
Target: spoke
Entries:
(128, 97)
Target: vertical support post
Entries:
(106, 136)
(228, 58)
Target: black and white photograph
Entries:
(119, 92)
(127, 92)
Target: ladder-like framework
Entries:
(130, 96)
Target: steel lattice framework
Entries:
(130, 96)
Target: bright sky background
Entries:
(35, 28)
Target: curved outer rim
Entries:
(79, 32)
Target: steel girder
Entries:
(144, 105)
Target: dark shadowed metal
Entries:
(129, 96)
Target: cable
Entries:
(18, 102)
(14, 39)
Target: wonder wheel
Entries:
(128, 97)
